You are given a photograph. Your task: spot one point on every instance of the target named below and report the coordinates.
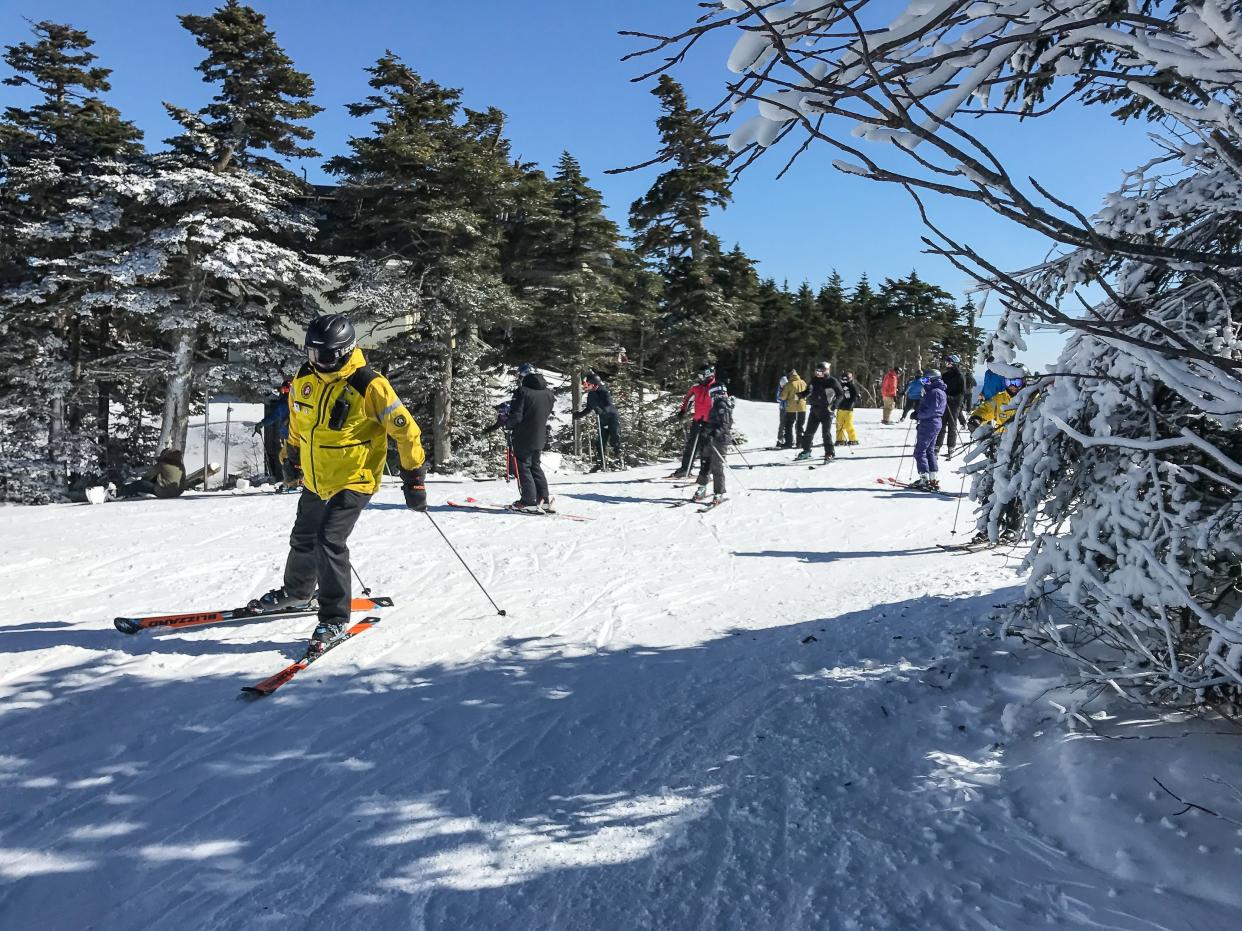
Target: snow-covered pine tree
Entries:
(1125, 468)
(55, 387)
(419, 220)
(226, 230)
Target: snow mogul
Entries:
(341, 413)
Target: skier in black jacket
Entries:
(955, 390)
(528, 429)
(824, 392)
(599, 402)
(716, 436)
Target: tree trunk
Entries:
(442, 414)
(177, 394)
(575, 388)
(103, 403)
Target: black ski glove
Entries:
(291, 468)
(414, 484)
(258, 428)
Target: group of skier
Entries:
(341, 415)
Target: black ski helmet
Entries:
(593, 380)
(706, 373)
(526, 369)
(329, 341)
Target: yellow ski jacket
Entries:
(790, 394)
(339, 424)
(995, 410)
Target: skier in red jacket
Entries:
(700, 395)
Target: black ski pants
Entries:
(951, 418)
(694, 442)
(819, 418)
(792, 422)
(610, 436)
(319, 551)
(531, 480)
(713, 464)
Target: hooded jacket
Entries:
(849, 395)
(719, 423)
(890, 384)
(599, 401)
(792, 394)
(701, 396)
(934, 402)
(996, 410)
(339, 425)
(954, 383)
(529, 412)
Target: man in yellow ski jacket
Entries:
(341, 414)
(795, 410)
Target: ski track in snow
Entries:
(792, 712)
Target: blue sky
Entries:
(554, 67)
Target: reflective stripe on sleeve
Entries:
(388, 410)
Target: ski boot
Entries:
(324, 635)
(803, 456)
(520, 505)
(279, 600)
(919, 483)
(717, 499)
(548, 506)
(828, 459)
(678, 474)
(700, 494)
(933, 484)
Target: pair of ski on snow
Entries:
(136, 625)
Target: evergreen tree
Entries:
(261, 99)
(218, 273)
(422, 207)
(572, 277)
(49, 429)
(669, 224)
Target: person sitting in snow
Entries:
(165, 479)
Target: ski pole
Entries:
(905, 444)
(738, 450)
(366, 591)
(499, 610)
(603, 459)
(719, 455)
(957, 513)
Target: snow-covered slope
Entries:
(792, 712)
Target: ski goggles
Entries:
(329, 358)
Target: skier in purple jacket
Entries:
(930, 417)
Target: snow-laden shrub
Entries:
(1126, 475)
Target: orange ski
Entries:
(133, 625)
(272, 683)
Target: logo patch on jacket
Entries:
(306, 390)
(400, 421)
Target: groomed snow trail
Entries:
(792, 712)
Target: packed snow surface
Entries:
(791, 712)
